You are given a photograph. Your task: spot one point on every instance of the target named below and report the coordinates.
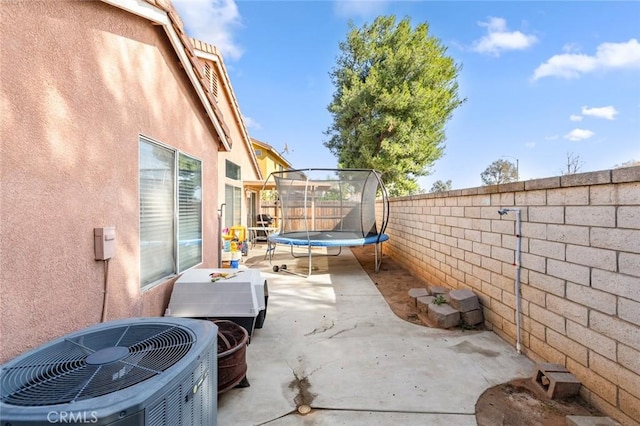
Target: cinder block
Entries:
(444, 316)
(590, 421)
(556, 381)
(414, 293)
(463, 300)
(584, 179)
(562, 385)
(625, 174)
(436, 290)
(423, 303)
(474, 317)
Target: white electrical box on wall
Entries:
(105, 242)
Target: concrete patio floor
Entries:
(331, 341)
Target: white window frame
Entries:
(233, 206)
(175, 220)
(232, 211)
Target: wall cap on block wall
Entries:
(625, 174)
(584, 179)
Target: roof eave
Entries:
(170, 21)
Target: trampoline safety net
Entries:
(330, 207)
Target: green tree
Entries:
(395, 89)
(441, 186)
(498, 172)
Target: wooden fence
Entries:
(321, 215)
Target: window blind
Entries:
(232, 208)
(189, 212)
(157, 207)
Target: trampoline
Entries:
(329, 208)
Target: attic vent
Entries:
(212, 78)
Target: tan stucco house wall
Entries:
(80, 83)
(242, 154)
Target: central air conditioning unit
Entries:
(137, 371)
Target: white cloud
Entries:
(551, 138)
(530, 144)
(578, 135)
(499, 39)
(608, 112)
(608, 56)
(571, 48)
(569, 65)
(361, 8)
(251, 123)
(213, 22)
(574, 117)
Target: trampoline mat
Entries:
(326, 238)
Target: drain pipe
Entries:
(502, 212)
(220, 210)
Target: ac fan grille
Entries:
(59, 373)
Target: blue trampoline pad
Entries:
(326, 238)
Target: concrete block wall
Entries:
(580, 270)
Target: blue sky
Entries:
(542, 79)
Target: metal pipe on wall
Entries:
(502, 212)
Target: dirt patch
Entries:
(520, 402)
(392, 281)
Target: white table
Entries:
(253, 232)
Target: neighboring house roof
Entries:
(211, 53)
(268, 183)
(163, 13)
(273, 151)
